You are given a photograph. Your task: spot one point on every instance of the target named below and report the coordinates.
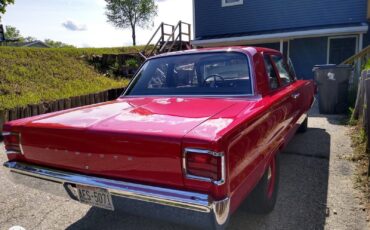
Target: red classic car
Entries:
(195, 136)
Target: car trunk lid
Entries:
(136, 139)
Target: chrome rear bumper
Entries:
(168, 204)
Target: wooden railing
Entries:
(358, 60)
(362, 56)
(159, 37)
(166, 37)
(179, 32)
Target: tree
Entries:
(131, 13)
(3, 5)
(30, 39)
(56, 44)
(12, 33)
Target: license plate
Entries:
(95, 196)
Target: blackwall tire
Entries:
(263, 198)
(304, 126)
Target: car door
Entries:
(282, 106)
(289, 86)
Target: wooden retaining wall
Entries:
(53, 106)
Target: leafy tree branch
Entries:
(3, 5)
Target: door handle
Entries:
(296, 95)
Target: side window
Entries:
(291, 68)
(273, 80)
(283, 70)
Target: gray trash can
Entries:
(333, 82)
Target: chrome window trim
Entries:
(250, 66)
(205, 179)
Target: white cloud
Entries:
(73, 26)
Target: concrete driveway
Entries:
(316, 192)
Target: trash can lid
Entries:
(330, 66)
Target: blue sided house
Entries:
(309, 32)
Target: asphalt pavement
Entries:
(316, 192)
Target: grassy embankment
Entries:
(31, 76)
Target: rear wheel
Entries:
(303, 127)
(263, 198)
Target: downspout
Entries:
(281, 46)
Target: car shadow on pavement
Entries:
(301, 201)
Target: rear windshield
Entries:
(221, 73)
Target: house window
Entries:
(231, 2)
(340, 48)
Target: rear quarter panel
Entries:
(251, 144)
(260, 133)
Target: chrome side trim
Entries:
(302, 118)
(9, 152)
(205, 179)
(6, 133)
(313, 102)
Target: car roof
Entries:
(243, 49)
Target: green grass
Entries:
(367, 65)
(75, 52)
(31, 75)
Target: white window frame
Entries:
(225, 4)
(339, 37)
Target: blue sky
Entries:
(83, 23)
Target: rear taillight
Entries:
(12, 142)
(204, 165)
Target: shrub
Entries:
(132, 63)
